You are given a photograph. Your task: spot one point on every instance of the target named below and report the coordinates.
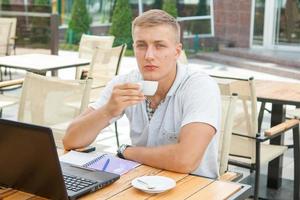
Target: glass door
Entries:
(287, 28)
(258, 27)
(276, 24)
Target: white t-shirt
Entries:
(193, 97)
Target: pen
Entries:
(105, 164)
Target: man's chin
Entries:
(150, 77)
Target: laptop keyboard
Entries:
(76, 183)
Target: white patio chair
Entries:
(45, 101)
(104, 66)
(228, 109)
(9, 100)
(87, 46)
(248, 147)
(7, 40)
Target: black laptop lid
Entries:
(29, 161)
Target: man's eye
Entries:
(160, 45)
(141, 45)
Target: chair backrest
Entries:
(105, 64)
(12, 31)
(228, 109)
(88, 44)
(46, 100)
(245, 125)
(5, 29)
(182, 58)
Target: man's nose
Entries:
(150, 53)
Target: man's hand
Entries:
(122, 96)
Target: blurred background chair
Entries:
(104, 66)
(9, 100)
(87, 46)
(45, 101)
(228, 107)
(7, 40)
(248, 147)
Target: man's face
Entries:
(156, 51)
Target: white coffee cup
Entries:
(149, 87)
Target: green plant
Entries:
(121, 23)
(157, 4)
(68, 47)
(5, 2)
(41, 2)
(79, 23)
(170, 7)
(129, 52)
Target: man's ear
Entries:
(178, 49)
(133, 48)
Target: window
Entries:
(196, 18)
(100, 11)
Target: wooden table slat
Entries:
(5, 192)
(184, 188)
(280, 91)
(123, 183)
(212, 191)
(19, 195)
(132, 193)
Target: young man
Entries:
(177, 128)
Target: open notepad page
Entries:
(99, 161)
(78, 158)
(113, 164)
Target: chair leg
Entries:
(296, 140)
(261, 115)
(1, 75)
(117, 134)
(257, 171)
(10, 74)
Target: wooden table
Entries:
(279, 94)
(188, 187)
(41, 63)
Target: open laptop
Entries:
(29, 163)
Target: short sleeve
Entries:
(201, 101)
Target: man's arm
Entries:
(85, 128)
(184, 157)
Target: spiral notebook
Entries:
(102, 162)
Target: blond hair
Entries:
(156, 17)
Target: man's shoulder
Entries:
(198, 79)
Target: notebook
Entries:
(100, 161)
(29, 162)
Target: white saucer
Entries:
(160, 183)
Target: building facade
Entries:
(269, 24)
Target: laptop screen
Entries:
(29, 160)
